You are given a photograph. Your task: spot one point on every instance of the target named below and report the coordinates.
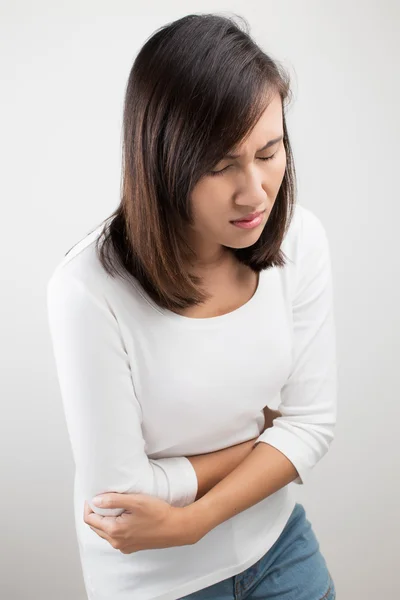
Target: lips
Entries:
(248, 217)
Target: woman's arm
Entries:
(264, 471)
(211, 468)
(103, 415)
(304, 432)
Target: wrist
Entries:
(182, 526)
(193, 521)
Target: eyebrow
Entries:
(267, 145)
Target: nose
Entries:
(252, 194)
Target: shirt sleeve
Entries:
(102, 413)
(305, 430)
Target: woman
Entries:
(201, 303)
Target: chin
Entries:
(247, 240)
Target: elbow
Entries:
(92, 491)
(321, 438)
(304, 443)
(97, 486)
(314, 430)
(316, 438)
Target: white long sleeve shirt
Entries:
(143, 388)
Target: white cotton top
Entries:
(143, 388)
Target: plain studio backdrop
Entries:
(64, 68)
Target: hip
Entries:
(292, 569)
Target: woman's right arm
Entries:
(212, 467)
(103, 415)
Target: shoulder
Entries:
(79, 266)
(80, 280)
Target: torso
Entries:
(229, 291)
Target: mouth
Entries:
(250, 221)
(250, 217)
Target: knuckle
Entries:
(113, 530)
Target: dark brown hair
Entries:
(195, 90)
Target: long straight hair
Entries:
(196, 89)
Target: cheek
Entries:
(276, 176)
(209, 201)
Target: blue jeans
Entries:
(292, 569)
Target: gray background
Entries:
(64, 68)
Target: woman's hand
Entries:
(148, 522)
(270, 415)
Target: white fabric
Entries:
(143, 388)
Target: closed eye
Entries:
(265, 158)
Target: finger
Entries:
(97, 521)
(86, 511)
(101, 534)
(112, 541)
(128, 550)
(93, 519)
(114, 500)
(109, 526)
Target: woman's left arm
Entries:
(302, 435)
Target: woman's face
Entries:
(242, 185)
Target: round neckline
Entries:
(201, 322)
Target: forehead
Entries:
(269, 126)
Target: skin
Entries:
(247, 185)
